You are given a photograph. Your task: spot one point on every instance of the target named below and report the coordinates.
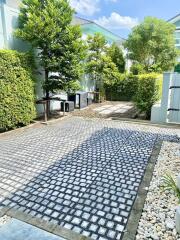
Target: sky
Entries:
(120, 16)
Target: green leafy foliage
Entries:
(117, 57)
(177, 68)
(137, 68)
(147, 93)
(47, 26)
(94, 62)
(17, 90)
(168, 183)
(152, 44)
(123, 88)
(99, 65)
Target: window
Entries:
(177, 37)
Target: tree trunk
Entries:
(47, 93)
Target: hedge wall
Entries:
(17, 96)
(148, 92)
(177, 68)
(143, 89)
(123, 89)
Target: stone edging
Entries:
(135, 215)
(146, 122)
(42, 224)
(34, 124)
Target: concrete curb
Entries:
(135, 215)
(21, 129)
(146, 123)
(42, 224)
(34, 124)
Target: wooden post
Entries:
(45, 111)
(63, 108)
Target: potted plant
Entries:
(170, 184)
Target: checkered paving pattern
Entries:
(80, 174)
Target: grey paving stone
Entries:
(110, 224)
(93, 227)
(118, 218)
(111, 234)
(84, 224)
(120, 227)
(102, 231)
(82, 174)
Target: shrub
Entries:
(177, 68)
(170, 184)
(123, 89)
(16, 90)
(137, 68)
(147, 93)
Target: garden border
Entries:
(135, 215)
(42, 224)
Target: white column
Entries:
(3, 33)
(165, 96)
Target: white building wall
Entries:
(2, 43)
(170, 100)
(8, 23)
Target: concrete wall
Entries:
(170, 99)
(8, 23)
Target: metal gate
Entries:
(174, 99)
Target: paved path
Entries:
(109, 109)
(80, 174)
(18, 230)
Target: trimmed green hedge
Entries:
(177, 68)
(122, 89)
(143, 89)
(17, 96)
(148, 92)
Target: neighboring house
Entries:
(90, 28)
(176, 21)
(8, 22)
(9, 10)
(168, 109)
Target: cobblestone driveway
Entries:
(81, 174)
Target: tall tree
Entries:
(96, 49)
(99, 67)
(116, 54)
(152, 44)
(46, 24)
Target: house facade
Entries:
(8, 22)
(90, 28)
(176, 21)
(167, 110)
(9, 11)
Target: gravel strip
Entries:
(4, 220)
(157, 220)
